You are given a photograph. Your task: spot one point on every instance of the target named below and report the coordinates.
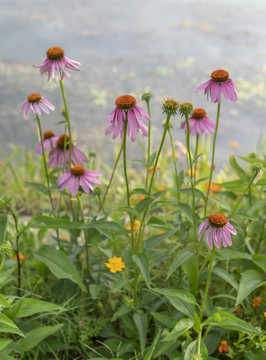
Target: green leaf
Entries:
(95, 290)
(197, 323)
(181, 327)
(40, 187)
(238, 169)
(190, 268)
(250, 280)
(59, 264)
(5, 277)
(137, 161)
(226, 276)
(140, 320)
(7, 326)
(228, 321)
(128, 209)
(155, 240)
(140, 191)
(143, 263)
(186, 209)
(180, 299)
(181, 257)
(196, 158)
(260, 261)
(3, 302)
(148, 356)
(4, 356)
(198, 193)
(228, 254)
(27, 307)
(4, 343)
(253, 160)
(34, 337)
(3, 224)
(164, 319)
(153, 220)
(221, 203)
(192, 349)
(152, 158)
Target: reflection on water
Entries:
(128, 47)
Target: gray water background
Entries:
(127, 47)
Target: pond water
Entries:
(128, 47)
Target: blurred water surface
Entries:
(128, 47)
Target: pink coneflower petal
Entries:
(36, 103)
(202, 228)
(203, 86)
(231, 229)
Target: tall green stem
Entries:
(142, 224)
(174, 159)
(67, 119)
(126, 178)
(191, 182)
(44, 162)
(113, 173)
(149, 146)
(243, 194)
(213, 153)
(195, 155)
(208, 283)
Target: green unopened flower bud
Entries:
(97, 191)
(92, 154)
(170, 106)
(256, 167)
(197, 357)
(186, 108)
(63, 112)
(252, 155)
(146, 96)
(6, 249)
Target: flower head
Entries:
(115, 264)
(170, 106)
(213, 187)
(220, 83)
(199, 123)
(223, 347)
(56, 61)
(49, 142)
(57, 157)
(20, 256)
(146, 96)
(136, 225)
(234, 144)
(126, 109)
(78, 175)
(218, 230)
(5, 249)
(185, 108)
(37, 104)
(257, 301)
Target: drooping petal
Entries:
(203, 86)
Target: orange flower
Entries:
(188, 172)
(161, 188)
(171, 154)
(234, 144)
(21, 257)
(160, 232)
(237, 310)
(265, 315)
(213, 187)
(183, 186)
(65, 238)
(142, 197)
(152, 168)
(223, 347)
(124, 212)
(257, 301)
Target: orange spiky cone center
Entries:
(34, 98)
(220, 75)
(199, 113)
(78, 170)
(125, 102)
(61, 141)
(55, 53)
(218, 220)
(48, 134)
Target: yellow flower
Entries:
(142, 197)
(234, 144)
(161, 188)
(171, 154)
(213, 187)
(152, 168)
(136, 225)
(257, 301)
(115, 264)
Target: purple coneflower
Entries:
(127, 103)
(37, 104)
(218, 228)
(49, 142)
(56, 61)
(57, 158)
(78, 176)
(220, 83)
(199, 123)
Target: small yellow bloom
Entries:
(265, 315)
(214, 187)
(115, 264)
(160, 232)
(142, 197)
(234, 144)
(171, 154)
(152, 168)
(136, 225)
(21, 257)
(161, 188)
(65, 238)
